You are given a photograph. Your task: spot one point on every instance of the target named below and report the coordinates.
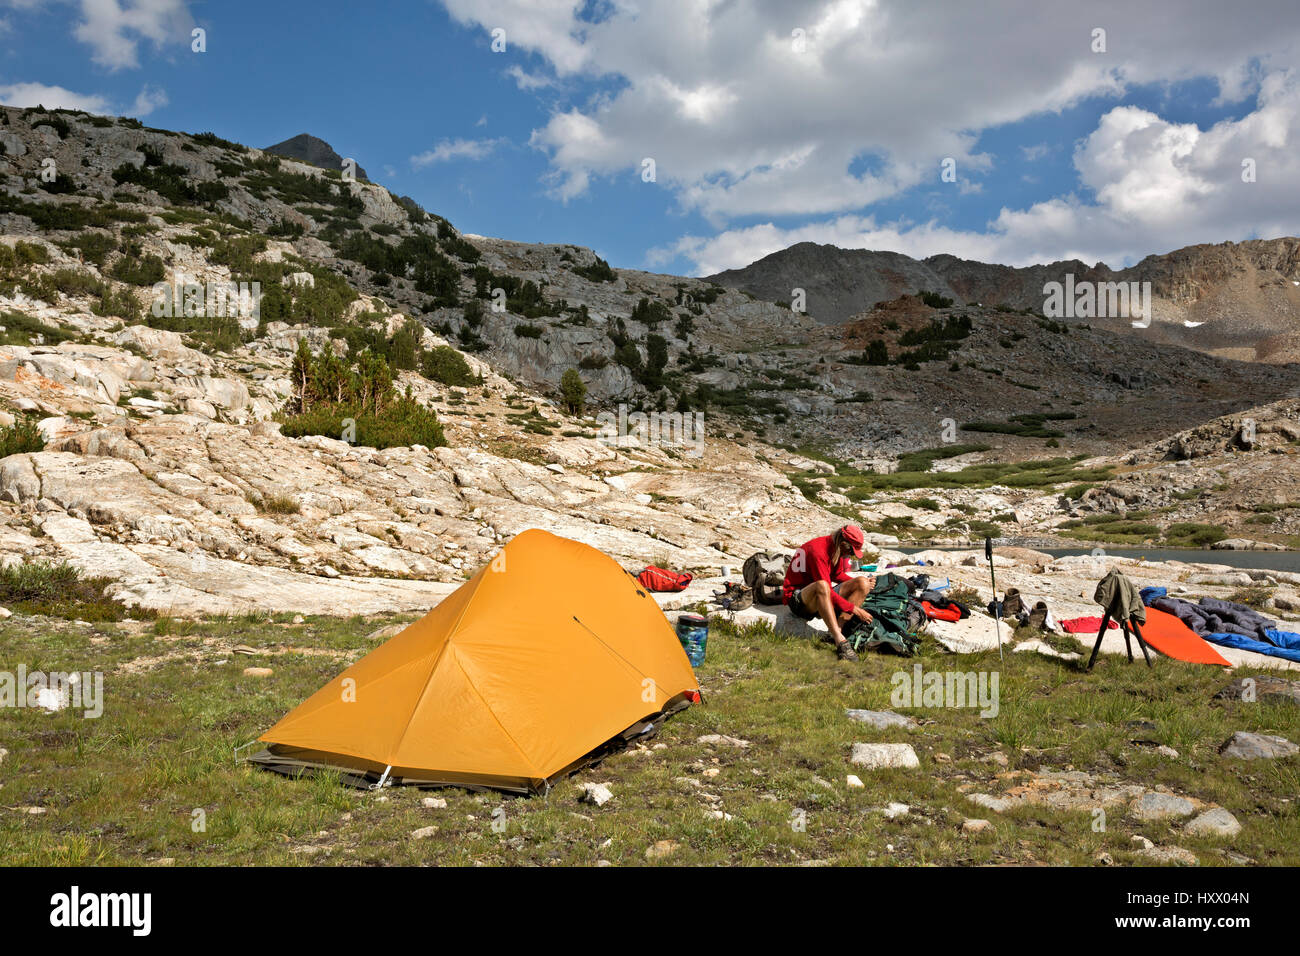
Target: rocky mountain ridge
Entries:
(1243, 298)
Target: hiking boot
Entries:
(1012, 605)
(1038, 616)
(736, 597)
(845, 652)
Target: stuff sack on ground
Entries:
(658, 579)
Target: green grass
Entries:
(122, 789)
(1035, 473)
(1124, 529)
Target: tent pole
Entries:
(380, 784)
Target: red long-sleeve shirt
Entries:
(812, 562)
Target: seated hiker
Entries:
(818, 584)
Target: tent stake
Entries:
(380, 784)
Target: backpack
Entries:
(657, 579)
(764, 574)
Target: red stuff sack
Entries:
(949, 613)
(657, 579)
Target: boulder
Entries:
(881, 756)
(1217, 822)
(1247, 746)
(1155, 805)
(880, 719)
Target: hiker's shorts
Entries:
(800, 610)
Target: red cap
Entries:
(851, 535)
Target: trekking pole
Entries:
(988, 553)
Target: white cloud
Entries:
(113, 29)
(528, 81)
(455, 149)
(741, 125)
(52, 97)
(1157, 186)
(147, 100)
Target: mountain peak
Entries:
(314, 150)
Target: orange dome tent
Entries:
(520, 675)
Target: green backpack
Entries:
(889, 628)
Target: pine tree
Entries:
(574, 391)
(301, 375)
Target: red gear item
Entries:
(950, 613)
(657, 579)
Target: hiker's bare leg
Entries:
(854, 590)
(816, 597)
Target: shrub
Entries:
(92, 246)
(934, 300)
(19, 329)
(402, 423)
(169, 181)
(598, 271)
(876, 353)
(145, 271)
(56, 123)
(70, 282)
(1194, 535)
(651, 312)
(279, 505)
(58, 590)
(121, 304)
(212, 139)
(69, 216)
(446, 365)
(21, 438)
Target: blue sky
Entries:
(769, 122)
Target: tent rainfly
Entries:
(550, 656)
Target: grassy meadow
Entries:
(124, 789)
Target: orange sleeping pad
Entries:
(1172, 638)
